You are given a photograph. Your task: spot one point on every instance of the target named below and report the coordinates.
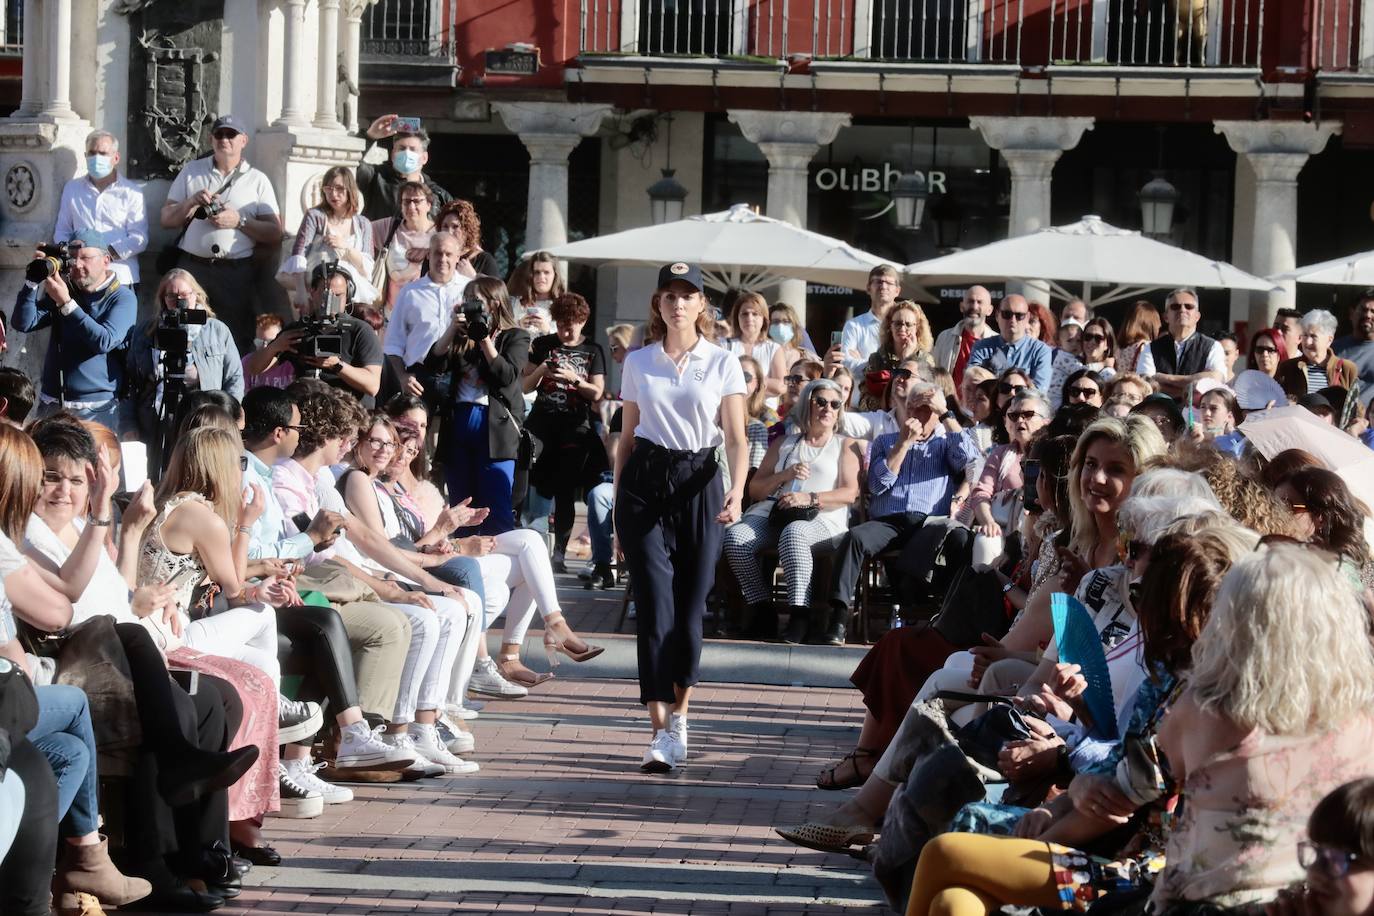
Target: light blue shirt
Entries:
(1028, 354)
(929, 474)
(271, 535)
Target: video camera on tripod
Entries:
(173, 335)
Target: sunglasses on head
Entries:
(1014, 316)
(826, 402)
(1009, 388)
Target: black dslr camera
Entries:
(57, 259)
(173, 335)
(476, 318)
(209, 211)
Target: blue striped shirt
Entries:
(929, 475)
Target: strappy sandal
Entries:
(512, 670)
(830, 781)
(825, 837)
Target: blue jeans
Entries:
(464, 572)
(470, 471)
(64, 735)
(535, 515)
(108, 416)
(600, 503)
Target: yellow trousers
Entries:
(968, 874)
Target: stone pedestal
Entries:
(296, 159)
(550, 132)
(789, 140)
(1274, 152)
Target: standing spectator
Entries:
(1267, 352)
(225, 207)
(785, 329)
(749, 337)
(403, 241)
(424, 310)
(1184, 355)
(755, 410)
(569, 373)
(108, 204)
(953, 346)
(533, 286)
(859, 339)
(1288, 322)
(1141, 326)
(212, 360)
(1230, 348)
(1015, 345)
(904, 335)
(83, 366)
(1064, 362)
(485, 355)
(334, 230)
(1358, 345)
(409, 153)
(1076, 309)
(460, 217)
(1316, 366)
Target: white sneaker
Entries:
(586, 571)
(296, 800)
(659, 758)
(454, 738)
(426, 738)
(361, 748)
(467, 712)
(677, 727)
(487, 679)
(422, 766)
(303, 772)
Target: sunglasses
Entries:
(825, 402)
(1334, 863)
(901, 374)
(748, 377)
(1014, 316)
(1009, 388)
(1186, 306)
(1264, 350)
(1095, 338)
(793, 379)
(904, 324)
(1085, 393)
(225, 134)
(1017, 415)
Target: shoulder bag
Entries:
(781, 517)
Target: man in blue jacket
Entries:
(90, 321)
(1015, 346)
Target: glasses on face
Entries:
(1083, 392)
(1185, 306)
(1009, 388)
(901, 374)
(904, 324)
(779, 321)
(793, 379)
(883, 281)
(225, 134)
(1009, 315)
(1264, 351)
(381, 445)
(243, 462)
(1094, 338)
(748, 377)
(1017, 415)
(819, 401)
(1334, 863)
(413, 202)
(336, 188)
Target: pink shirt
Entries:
(294, 487)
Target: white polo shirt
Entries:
(116, 212)
(681, 411)
(251, 194)
(421, 315)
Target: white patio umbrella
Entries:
(1281, 428)
(735, 248)
(1090, 252)
(1351, 270)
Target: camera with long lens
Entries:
(476, 318)
(173, 336)
(57, 258)
(209, 211)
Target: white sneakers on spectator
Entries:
(297, 801)
(297, 720)
(467, 712)
(405, 742)
(361, 748)
(486, 679)
(677, 727)
(303, 772)
(662, 753)
(454, 738)
(426, 740)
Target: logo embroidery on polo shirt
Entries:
(678, 269)
(701, 375)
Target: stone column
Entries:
(1275, 153)
(293, 86)
(1031, 147)
(327, 70)
(550, 132)
(57, 102)
(789, 140)
(31, 93)
(352, 44)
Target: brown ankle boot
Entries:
(88, 870)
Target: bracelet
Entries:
(244, 530)
(816, 500)
(99, 522)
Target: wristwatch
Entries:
(948, 415)
(243, 220)
(99, 522)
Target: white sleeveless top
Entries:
(825, 474)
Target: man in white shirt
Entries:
(1183, 356)
(859, 339)
(104, 202)
(226, 208)
(423, 311)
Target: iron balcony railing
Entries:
(1342, 38)
(12, 28)
(410, 31)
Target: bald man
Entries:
(1015, 346)
(953, 346)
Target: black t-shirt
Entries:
(360, 348)
(559, 399)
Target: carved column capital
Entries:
(563, 119)
(815, 128)
(1025, 133)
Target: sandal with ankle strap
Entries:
(830, 781)
(512, 670)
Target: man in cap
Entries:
(89, 320)
(226, 208)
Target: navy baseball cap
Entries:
(228, 122)
(680, 270)
(87, 238)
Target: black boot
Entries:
(798, 625)
(834, 634)
(602, 577)
(763, 621)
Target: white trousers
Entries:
(442, 640)
(246, 634)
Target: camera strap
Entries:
(220, 191)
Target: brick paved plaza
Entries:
(560, 820)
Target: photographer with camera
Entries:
(327, 342)
(422, 312)
(486, 355)
(224, 208)
(71, 289)
(183, 344)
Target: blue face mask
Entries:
(782, 333)
(406, 161)
(99, 166)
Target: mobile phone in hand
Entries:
(836, 338)
(407, 125)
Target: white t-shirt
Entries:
(251, 194)
(680, 410)
(10, 561)
(107, 592)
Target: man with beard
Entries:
(1358, 346)
(953, 346)
(90, 322)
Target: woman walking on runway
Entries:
(683, 396)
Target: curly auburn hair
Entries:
(570, 307)
(468, 221)
(1244, 498)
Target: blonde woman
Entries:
(749, 337)
(904, 334)
(756, 411)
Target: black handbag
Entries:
(982, 739)
(780, 517)
(18, 709)
(973, 606)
